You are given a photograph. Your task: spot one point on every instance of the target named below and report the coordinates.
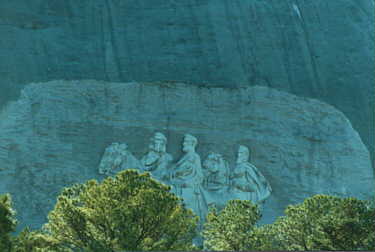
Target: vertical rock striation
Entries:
(313, 48)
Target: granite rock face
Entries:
(57, 132)
(313, 48)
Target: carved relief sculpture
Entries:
(200, 187)
(215, 179)
(110, 160)
(187, 177)
(157, 159)
(117, 157)
(247, 182)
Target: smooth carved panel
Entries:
(57, 132)
(200, 185)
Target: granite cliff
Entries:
(57, 132)
(321, 49)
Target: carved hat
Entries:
(159, 135)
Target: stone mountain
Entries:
(321, 49)
(57, 132)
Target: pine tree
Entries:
(130, 212)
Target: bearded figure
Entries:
(187, 177)
(157, 159)
(247, 182)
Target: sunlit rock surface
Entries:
(57, 132)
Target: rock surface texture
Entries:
(321, 49)
(57, 132)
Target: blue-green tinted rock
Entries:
(321, 49)
(57, 132)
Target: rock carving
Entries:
(200, 187)
(117, 157)
(215, 183)
(247, 182)
(110, 160)
(187, 177)
(157, 159)
(215, 172)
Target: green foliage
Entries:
(321, 222)
(7, 222)
(35, 241)
(232, 228)
(131, 211)
(326, 223)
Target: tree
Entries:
(26, 241)
(326, 222)
(232, 228)
(35, 241)
(321, 222)
(131, 211)
(7, 222)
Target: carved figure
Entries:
(128, 159)
(187, 177)
(215, 179)
(117, 157)
(215, 172)
(157, 159)
(110, 160)
(246, 181)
